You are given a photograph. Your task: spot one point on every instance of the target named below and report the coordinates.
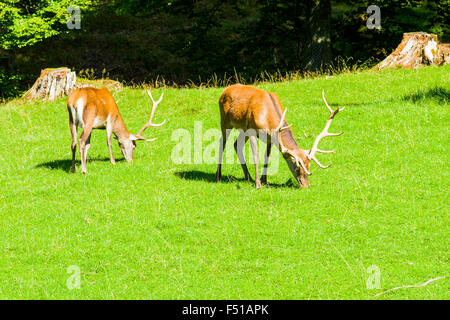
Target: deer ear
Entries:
(133, 137)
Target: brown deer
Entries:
(91, 108)
(252, 110)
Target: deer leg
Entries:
(266, 162)
(254, 145)
(238, 146)
(109, 141)
(73, 131)
(87, 146)
(85, 143)
(222, 143)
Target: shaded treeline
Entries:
(194, 40)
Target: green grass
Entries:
(152, 229)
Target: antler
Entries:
(280, 128)
(149, 122)
(323, 134)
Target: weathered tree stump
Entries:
(52, 84)
(417, 49)
(55, 83)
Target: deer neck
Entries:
(119, 128)
(287, 142)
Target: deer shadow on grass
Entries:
(195, 175)
(66, 164)
(436, 93)
(439, 94)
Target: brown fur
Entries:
(100, 104)
(100, 111)
(246, 107)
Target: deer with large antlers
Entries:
(91, 108)
(245, 108)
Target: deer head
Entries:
(299, 160)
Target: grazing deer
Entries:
(91, 108)
(245, 108)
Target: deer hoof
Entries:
(258, 185)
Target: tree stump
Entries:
(55, 83)
(444, 52)
(417, 49)
(52, 84)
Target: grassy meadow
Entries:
(154, 229)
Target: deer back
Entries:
(93, 104)
(246, 107)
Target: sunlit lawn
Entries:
(154, 229)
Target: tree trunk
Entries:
(52, 84)
(417, 49)
(317, 50)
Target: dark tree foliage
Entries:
(351, 38)
(193, 40)
(317, 48)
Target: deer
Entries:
(90, 108)
(252, 111)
